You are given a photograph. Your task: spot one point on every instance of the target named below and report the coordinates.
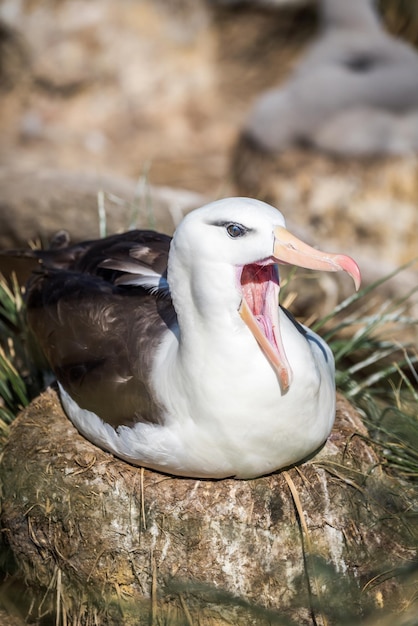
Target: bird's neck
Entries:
(358, 15)
(205, 353)
(206, 298)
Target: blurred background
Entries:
(131, 96)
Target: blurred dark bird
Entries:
(354, 93)
(174, 354)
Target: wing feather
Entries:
(97, 312)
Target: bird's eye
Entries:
(235, 230)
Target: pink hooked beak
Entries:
(260, 287)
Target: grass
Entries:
(15, 362)
(376, 369)
(140, 205)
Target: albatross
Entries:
(354, 92)
(174, 354)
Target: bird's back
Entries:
(98, 333)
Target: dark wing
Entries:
(98, 311)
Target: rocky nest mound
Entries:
(102, 542)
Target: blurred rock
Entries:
(115, 86)
(14, 58)
(368, 207)
(353, 93)
(154, 86)
(123, 87)
(262, 3)
(37, 204)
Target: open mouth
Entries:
(260, 289)
(259, 309)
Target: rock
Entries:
(114, 88)
(132, 546)
(369, 205)
(37, 204)
(278, 4)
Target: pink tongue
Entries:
(261, 294)
(266, 328)
(266, 321)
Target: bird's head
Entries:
(250, 236)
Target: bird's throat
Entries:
(259, 309)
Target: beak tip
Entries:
(285, 379)
(356, 276)
(348, 264)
